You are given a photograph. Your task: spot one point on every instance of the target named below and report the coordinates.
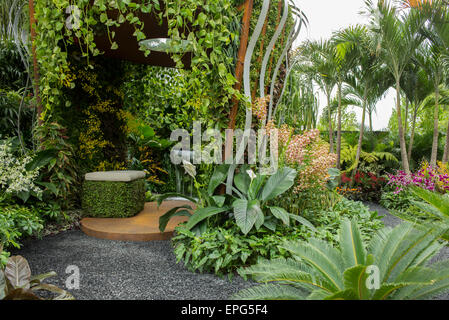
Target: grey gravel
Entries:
(123, 270)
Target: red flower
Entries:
(345, 179)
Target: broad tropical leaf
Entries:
(202, 214)
(351, 244)
(165, 196)
(18, 272)
(175, 212)
(278, 183)
(218, 177)
(281, 214)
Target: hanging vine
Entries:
(206, 23)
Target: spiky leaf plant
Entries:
(395, 264)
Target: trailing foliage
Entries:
(209, 35)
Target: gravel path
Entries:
(392, 221)
(123, 270)
(112, 270)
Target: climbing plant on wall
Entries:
(205, 23)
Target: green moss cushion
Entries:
(113, 199)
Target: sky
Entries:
(326, 16)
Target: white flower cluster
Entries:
(13, 174)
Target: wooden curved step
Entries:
(143, 227)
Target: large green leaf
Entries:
(165, 196)
(355, 279)
(278, 183)
(438, 201)
(41, 159)
(260, 220)
(351, 244)
(303, 221)
(242, 182)
(281, 214)
(218, 177)
(18, 272)
(219, 200)
(202, 214)
(175, 212)
(246, 213)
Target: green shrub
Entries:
(113, 199)
(17, 222)
(397, 201)
(224, 249)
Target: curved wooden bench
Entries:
(143, 227)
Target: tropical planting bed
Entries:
(293, 215)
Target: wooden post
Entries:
(35, 66)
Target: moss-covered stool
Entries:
(114, 194)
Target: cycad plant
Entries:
(395, 264)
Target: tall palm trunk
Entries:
(370, 115)
(412, 134)
(406, 117)
(405, 164)
(433, 157)
(446, 146)
(339, 127)
(359, 145)
(331, 130)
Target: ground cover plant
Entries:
(224, 249)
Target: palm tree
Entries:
(397, 38)
(417, 87)
(366, 83)
(320, 63)
(430, 58)
(438, 14)
(299, 108)
(395, 264)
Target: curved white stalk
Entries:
(247, 91)
(291, 38)
(270, 48)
